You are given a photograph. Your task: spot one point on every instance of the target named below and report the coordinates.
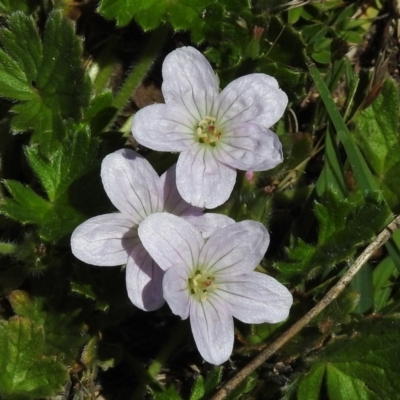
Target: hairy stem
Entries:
(333, 293)
(141, 69)
(7, 248)
(175, 338)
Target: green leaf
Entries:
(25, 371)
(61, 79)
(64, 338)
(213, 379)
(377, 134)
(14, 83)
(342, 229)
(342, 386)
(54, 220)
(65, 172)
(361, 171)
(203, 387)
(100, 111)
(58, 169)
(362, 365)
(26, 6)
(47, 76)
(383, 275)
(168, 394)
(310, 384)
(246, 386)
(198, 389)
(28, 51)
(25, 201)
(149, 14)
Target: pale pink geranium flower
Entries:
(137, 191)
(215, 132)
(213, 280)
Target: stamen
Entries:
(200, 284)
(207, 131)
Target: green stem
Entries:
(175, 338)
(106, 62)
(8, 248)
(141, 69)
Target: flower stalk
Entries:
(141, 69)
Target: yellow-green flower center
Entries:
(207, 131)
(201, 283)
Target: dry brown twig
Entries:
(333, 293)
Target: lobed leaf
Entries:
(362, 365)
(149, 14)
(26, 6)
(47, 76)
(24, 369)
(59, 168)
(54, 220)
(342, 229)
(377, 134)
(63, 337)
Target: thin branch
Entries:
(333, 293)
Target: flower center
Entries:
(207, 131)
(201, 283)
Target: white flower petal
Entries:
(176, 291)
(173, 202)
(212, 327)
(252, 98)
(256, 298)
(105, 240)
(248, 146)
(170, 240)
(164, 127)
(203, 181)
(131, 184)
(236, 249)
(207, 223)
(144, 280)
(189, 82)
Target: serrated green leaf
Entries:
(25, 200)
(203, 387)
(362, 365)
(26, 6)
(342, 228)
(48, 76)
(54, 220)
(58, 169)
(168, 394)
(14, 84)
(213, 379)
(377, 134)
(63, 337)
(198, 389)
(310, 384)
(28, 51)
(342, 386)
(149, 14)
(246, 386)
(337, 313)
(24, 369)
(61, 78)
